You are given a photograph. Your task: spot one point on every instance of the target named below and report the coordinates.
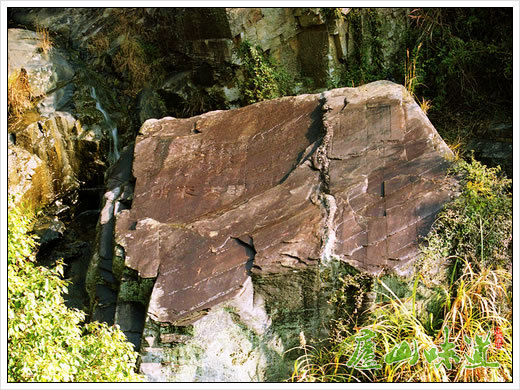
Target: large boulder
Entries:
(231, 191)
(269, 193)
(386, 168)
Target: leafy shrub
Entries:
(475, 310)
(477, 226)
(263, 79)
(467, 53)
(46, 339)
(466, 61)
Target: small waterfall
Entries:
(111, 125)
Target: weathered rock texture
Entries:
(57, 155)
(194, 49)
(50, 153)
(223, 190)
(274, 187)
(49, 158)
(386, 171)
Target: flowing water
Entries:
(114, 152)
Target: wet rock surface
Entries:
(232, 193)
(51, 152)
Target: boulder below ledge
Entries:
(272, 188)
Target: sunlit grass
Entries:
(19, 93)
(44, 39)
(481, 303)
(411, 79)
(425, 105)
(465, 289)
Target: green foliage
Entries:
(462, 74)
(349, 295)
(468, 53)
(477, 226)
(366, 62)
(46, 339)
(263, 79)
(467, 67)
(332, 14)
(481, 303)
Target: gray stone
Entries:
(134, 338)
(49, 230)
(130, 316)
(49, 73)
(104, 314)
(106, 240)
(106, 295)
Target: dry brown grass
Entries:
(130, 60)
(98, 44)
(45, 42)
(19, 93)
(425, 105)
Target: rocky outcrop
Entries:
(385, 169)
(192, 52)
(211, 172)
(50, 153)
(49, 73)
(270, 193)
(57, 154)
(49, 158)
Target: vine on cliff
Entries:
(263, 79)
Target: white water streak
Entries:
(110, 124)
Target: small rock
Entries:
(49, 230)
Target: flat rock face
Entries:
(270, 188)
(215, 192)
(387, 168)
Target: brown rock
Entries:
(228, 193)
(387, 175)
(207, 202)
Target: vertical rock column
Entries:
(117, 293)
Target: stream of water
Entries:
(114, 152)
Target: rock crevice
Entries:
(268, 192)
(245, 175)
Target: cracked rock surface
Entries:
(386, 172)
(274, 187)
